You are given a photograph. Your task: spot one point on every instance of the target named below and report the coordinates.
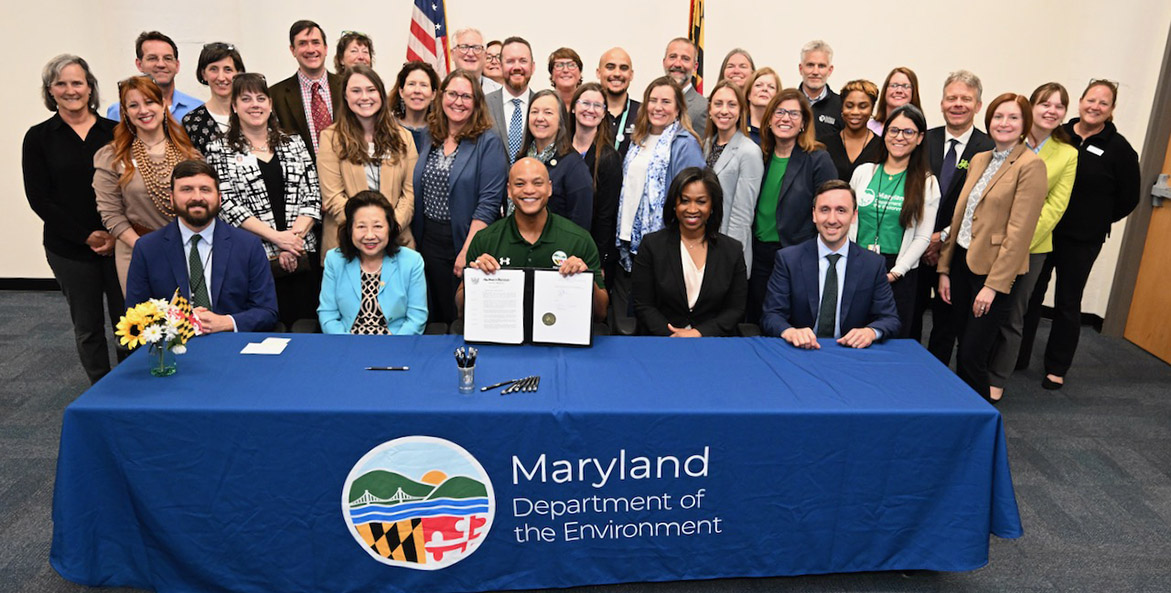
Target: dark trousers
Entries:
(84, 283)
(904, 290)
(942, 340)
(622, 319)
(977, 335)
(764, 256)
(1072, 261)
(437, 249)
(297, 294)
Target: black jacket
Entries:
(660, 295)
(936, 138)
(1106, 188)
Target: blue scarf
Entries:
(649, 217)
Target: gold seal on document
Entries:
(548, 319)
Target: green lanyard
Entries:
(879, 215)
(621, 135)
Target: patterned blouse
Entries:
(714, 155)
(436, 188)
(964, 238)
(202, 128)
(370, 320)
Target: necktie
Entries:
(198, 283)
(515, 131)
(320, 111)
(948, 170)
(828, 313)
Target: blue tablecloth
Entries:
(230, 475)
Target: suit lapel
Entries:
(935, 143)
(729, 154)
(793, 171)
(178, 258)
(221, 255)
(849, 285)
(810, 275)
(296, 107)
(466, 148)
(352, 273)
(675, 271)
(1004, 167)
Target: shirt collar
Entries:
(824, 93)
(962, 138)
(308, 82)
(206, 235)
(518, 238)
(824, 250)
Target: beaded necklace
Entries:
(157, 176)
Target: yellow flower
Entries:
(129, 329)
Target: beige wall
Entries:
(1012, 45)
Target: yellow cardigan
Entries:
(1061, 168)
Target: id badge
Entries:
(875, 248)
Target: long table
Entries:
(639, 459)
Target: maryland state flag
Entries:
(695, 34)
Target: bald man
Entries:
(533, 237)
(615, 72)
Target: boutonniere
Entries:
(963, 164)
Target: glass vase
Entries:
(162, 360)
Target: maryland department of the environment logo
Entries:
(419, 502)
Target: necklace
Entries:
(695, 245)
(156, 176)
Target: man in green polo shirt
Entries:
(533, 237)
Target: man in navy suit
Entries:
(813, 293)
(221, 270)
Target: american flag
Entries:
(428, 39)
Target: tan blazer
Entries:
(342, 179)
(1004, 220)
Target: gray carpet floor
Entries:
(1091, 465)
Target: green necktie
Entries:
(828, 313)
(199, 296)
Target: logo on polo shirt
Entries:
(559, 257)
(866, 198)
(504, 261)
(418, 502)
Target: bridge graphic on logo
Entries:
(418, 502)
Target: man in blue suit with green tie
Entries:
(829, 287)
(223, 271)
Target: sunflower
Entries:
(129, 328)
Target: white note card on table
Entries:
(268, 346)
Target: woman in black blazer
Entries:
(689, 280)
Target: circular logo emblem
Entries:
(548, 319)
(559, 257)
(418, 502)
(866, 198)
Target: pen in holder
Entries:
(465, 360)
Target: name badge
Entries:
(247, 160)
(829, 120)
(1094, 149)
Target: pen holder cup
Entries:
(467, 379)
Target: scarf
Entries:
(649, 217)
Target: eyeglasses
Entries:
(565, 65)
(455, 97)
(902, 132)
(465, 48)
(590, 105)
(1113, 84)
(219, 45)
(903, 86)
(493, 58)
(794, 114)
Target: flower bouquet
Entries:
(164, 327)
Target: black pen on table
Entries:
(500, 384)
(388, 368)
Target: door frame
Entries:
(1135, 237)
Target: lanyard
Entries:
(620, 136)
(879, 215)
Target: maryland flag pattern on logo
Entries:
(419, 502)
(401, 540)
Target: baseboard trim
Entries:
(29, 284)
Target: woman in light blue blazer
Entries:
(736, 161)
(372, 285)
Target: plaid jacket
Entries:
(245, 195)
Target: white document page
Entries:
(494, 306)
(562, 306)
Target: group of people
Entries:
(329, 196)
